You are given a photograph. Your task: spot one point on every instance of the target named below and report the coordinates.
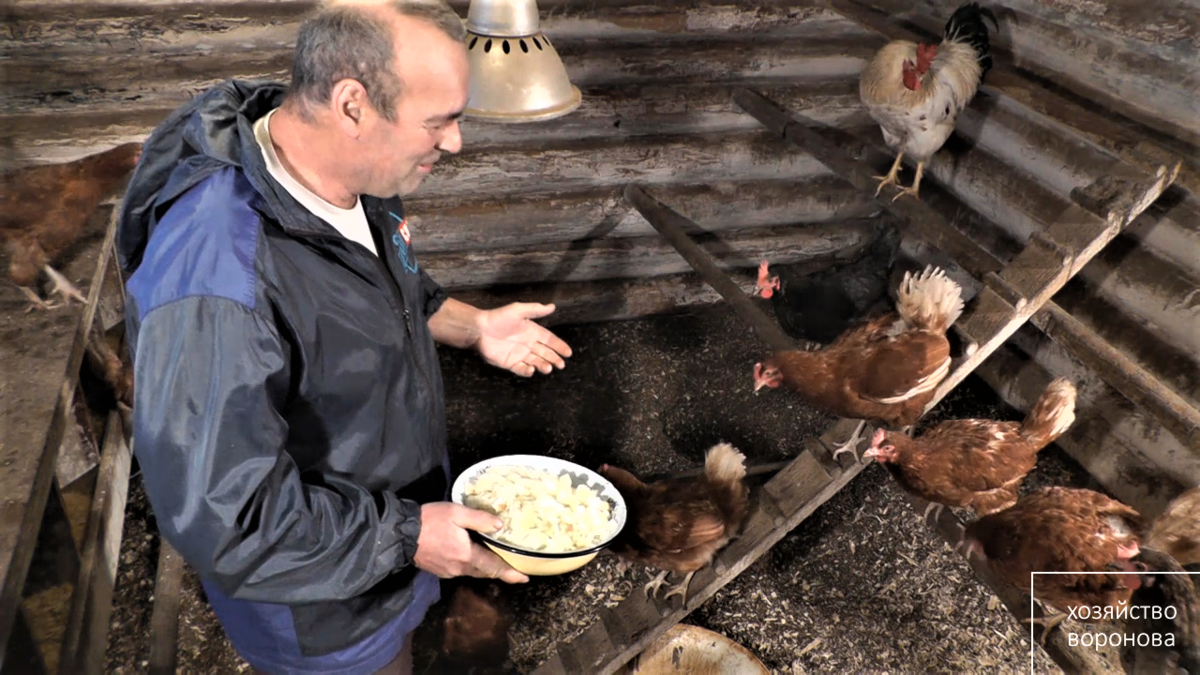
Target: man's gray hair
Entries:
(354, 41)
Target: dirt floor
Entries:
(861, 586)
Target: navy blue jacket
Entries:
(289, 414)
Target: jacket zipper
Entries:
(397, 298)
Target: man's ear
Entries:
(349, 103)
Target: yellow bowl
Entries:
(541, 563)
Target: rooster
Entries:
(1060, 529)
(819, 307)
(916, 91)
(43, 210)
(887, 369)
(679, 524)
(976, 463)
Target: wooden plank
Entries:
(44, 133)
(1070, 659)
(1104, 438)
(164, 618)
(1174, 413)
(673, 228)
(835, 150)
(1069, 243)
(808, 486)
(597, 163)
(31, 77)
(21, 655)
(29, 469)
(86, 636)
(642, 257)
(531, 219)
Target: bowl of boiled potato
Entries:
(557, 514)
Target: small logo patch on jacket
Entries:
(403, 241)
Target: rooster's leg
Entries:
(60, 285)
(34, 301)
(912, 191)
(656, 583)
(892, 177)
(851, 444)
(681, 589)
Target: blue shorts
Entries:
(264, 635)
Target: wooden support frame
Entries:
(91, 602)
(164, 618)
(29, 475)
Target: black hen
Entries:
(821, 306)
(1162, 591)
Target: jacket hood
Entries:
(211, 132)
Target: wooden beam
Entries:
(595, 259)
(674, 228)
(30, 466)
(532, 219)
(40, 133)
(1174, 413)
(782, 504)
(835, 152)
(164, 618)
(86, 635)
(597, 163)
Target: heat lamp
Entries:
(516, 74)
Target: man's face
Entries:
(433, 73)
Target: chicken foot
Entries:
(851, 444)
(912, 191)
(60, 285)
(681, 589)
(1048, 622)
(36, 302)
(892, 177)
(656, 583)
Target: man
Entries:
(289, 414)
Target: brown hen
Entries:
(1061, 529)
(1162, 584)
(43, 210)
(1177, 531)
(976, 463)
(887, 369)
(678, 525)
(476, 627)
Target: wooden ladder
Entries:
(1011, 295)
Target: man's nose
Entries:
(451, 141)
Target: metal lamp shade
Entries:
(516, 74)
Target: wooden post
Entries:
(86, 634)
(669, 224)
(164, 620)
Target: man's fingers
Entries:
(474, 519)
(488, 565)
(533, 310)
(546, 356)
(556, 343)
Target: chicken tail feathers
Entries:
(929, 301)
(1052, 414)
(966, 25)
(724, 464)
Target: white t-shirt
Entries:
(351, 223)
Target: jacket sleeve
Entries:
(212, 378)
(433, 293)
